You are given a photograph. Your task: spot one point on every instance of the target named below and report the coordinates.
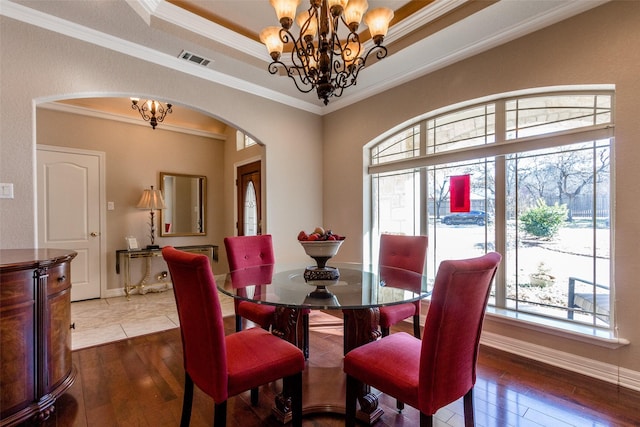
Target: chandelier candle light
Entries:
(152, 200)
(151, 111)
(319, 59)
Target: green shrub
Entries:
(543, 220)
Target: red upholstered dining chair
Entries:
(251, 251)
(408, 253)
(224, 366)
(439, 369)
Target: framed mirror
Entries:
(186, 205)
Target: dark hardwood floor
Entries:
(139, 382)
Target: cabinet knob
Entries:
(94, 234)
(72, 326)
(62, 278)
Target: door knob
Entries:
(94, 234)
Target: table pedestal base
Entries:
(324, 390)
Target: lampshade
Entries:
(354, 11)
(151, 199)
(285, 10)
(270, 36)
(378, 22)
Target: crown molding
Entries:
(72, 109)
(496, 24)
(191, 22)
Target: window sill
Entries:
(574, 331)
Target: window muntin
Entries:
(581, 165)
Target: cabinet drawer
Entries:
(59, 279)
(17, 287)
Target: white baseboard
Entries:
(582, 365)
(154, 287)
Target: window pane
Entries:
(460, 235)
(462, 129)
(248, 141)
(396, 202)
(403, 145)
(558, 232)
(546, 114)
(250, 211)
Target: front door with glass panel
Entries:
(249, 199)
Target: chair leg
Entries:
(344, 332)
(305, 334)
(238, 323)
(350, 404)
(254, 396)
(187, 401)
(416, 326)
(385, 331)
(468, 409)
(426, 420)
(292, 388)
(399, 405)
(220, 414)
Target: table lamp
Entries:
(152, 200)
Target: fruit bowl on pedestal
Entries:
(321, 250)
(321, 275)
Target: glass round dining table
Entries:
(359, 291)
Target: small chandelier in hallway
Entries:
(151, 111)
(320, 60)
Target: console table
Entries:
(127, 255)
(35, 332)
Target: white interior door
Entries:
(69, 213)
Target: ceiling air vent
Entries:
(191, 57)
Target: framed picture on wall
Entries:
(132, 243)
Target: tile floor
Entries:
(113, 319)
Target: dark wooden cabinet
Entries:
(35, 332)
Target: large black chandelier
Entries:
(320, 60)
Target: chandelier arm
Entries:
(346, 79)
(142, 110)
(309, 85)
(298, 52)
(293, 72)
(381, 52)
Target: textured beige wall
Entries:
(597, 47)
(38, 66)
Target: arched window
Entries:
(538, 168)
